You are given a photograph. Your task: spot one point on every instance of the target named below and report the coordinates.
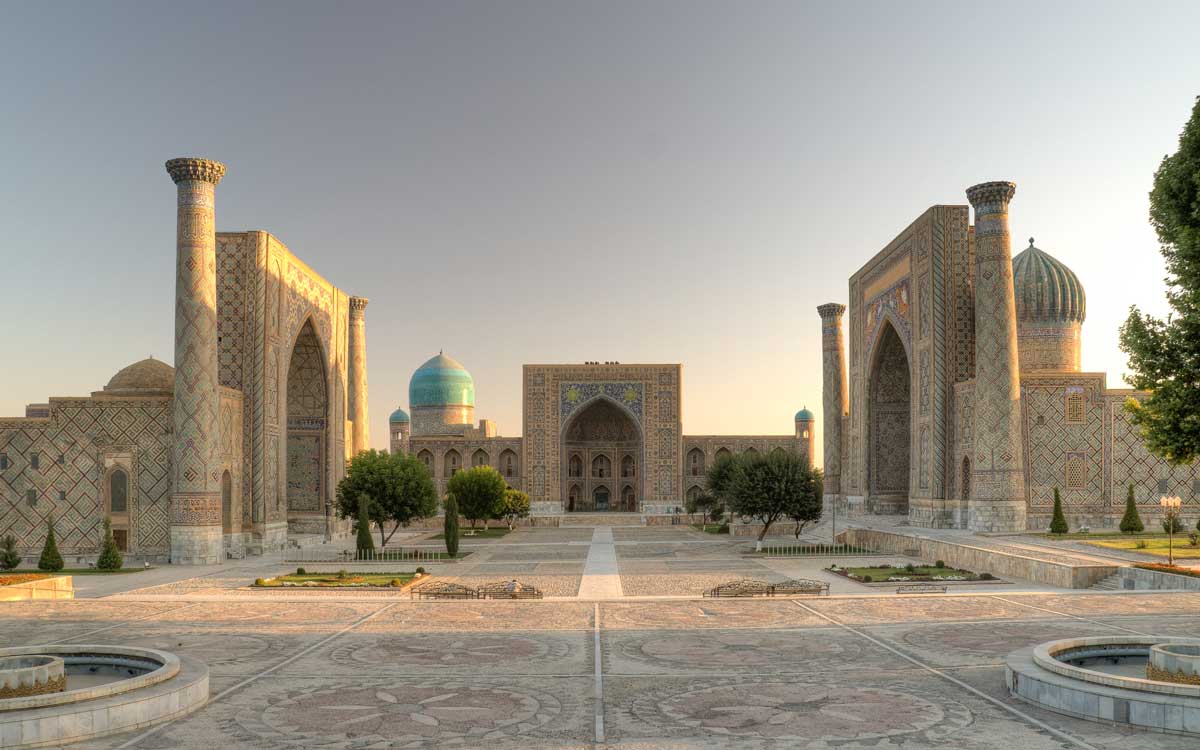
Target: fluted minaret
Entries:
(997, 500)
(196, 487)
(833, 401)
(356, 373)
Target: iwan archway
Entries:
(602, 454)
(307, 434)
(889, 409)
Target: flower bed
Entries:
(1164, 568)
(909, 574)
(341, 579)
(15, 578)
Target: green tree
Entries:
(1058, 524)
(514, 505)
(1164, 355)
(9, 557)
(767, 488)
(718, 480)
(110, 557)
(450, 527)
(398, 488)
(50, 560)
(478, 492)
(364, 543)
(1131, 522)
(808, 502)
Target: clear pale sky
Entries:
(558, 182)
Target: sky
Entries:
(558, 182)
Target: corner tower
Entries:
(196, 537)
(833, 390)
(997, 502)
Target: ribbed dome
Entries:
(148, 377)
(1046, 289)
(441, 381)
(398, 416)
(804, 415)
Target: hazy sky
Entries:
(558, 182)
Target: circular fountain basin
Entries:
(108, 689)
(1175, 662)
(1102, 679)
(31, 675)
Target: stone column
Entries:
(356, 374)
(833, 390)
(997, 500)
(196, 482)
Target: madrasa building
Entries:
(962, 403)
(596, 437)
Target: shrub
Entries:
(110, 557)
(939, 564)
(986, 577)
(1058, 524)
(301, 572)
(865, 578)
(1131, 522)
(260, 581)
(1194, 539)
(9, 557)
(364, 543)
(909, 568)
(342, 575)
(1172, 525)
(420, 570)
(397, 582)
(1140, 544)
(723, 528)
(50, 560)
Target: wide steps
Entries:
(577, 520)
(1112, 583)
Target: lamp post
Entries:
(1170, 506)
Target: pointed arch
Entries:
(602, 439)
(510, 465)
(695, 463)
(308, 406)
(480, 458)
(889, 421)
(451, 463)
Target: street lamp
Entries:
(1170, 506)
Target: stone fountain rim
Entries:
(1044, 657)
(168, 668)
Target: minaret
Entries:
(806, 435)
(196, 487)
(997, 500)
(833, 400)
(356, 374)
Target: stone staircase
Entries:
(1112, 583)
(577, 520)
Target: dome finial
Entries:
(1031, 242)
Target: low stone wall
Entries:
(1140, 579)
(980, 559)
(57, 587)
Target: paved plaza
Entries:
(863, 668)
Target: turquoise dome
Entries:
(399, 416)
(1045, 289)
(804, 415)
(441, 381)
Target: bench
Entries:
(920, 588)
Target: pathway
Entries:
(601, 579)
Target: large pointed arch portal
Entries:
(307, 434)
(889, 404)
(604, 444)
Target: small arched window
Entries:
(451, 463)
(751, 451)
(693, 494)
(601, 467)
(575, 466)
(573, 498)
(628, 503)
(695, 462)
(118, 492)
(480, 458)
(777, 451)
(722, 454)
(628, 467)
(426, 458)
(508, 463)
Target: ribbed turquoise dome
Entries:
(1046, 289)
(399, 416)
(441, 381)
(804, 415)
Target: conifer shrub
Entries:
(9, 557)
(50, 561)
(1131, 522)
(110, 556)
(1058, 524)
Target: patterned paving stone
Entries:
(480, 616)
(885, 609)
(704, 614)
(978, 643)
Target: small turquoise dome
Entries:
(1045, 289)
(399, 416)
(441, 381)
(804, 415)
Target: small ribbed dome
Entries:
(804, 415)
(441, 381)
(398, 416)
(1046, 289)
(148, 377)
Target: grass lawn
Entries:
(491, 532)
(893, 574)
(712, 528)
(334, 580)
(77, 572)
(1155, 545)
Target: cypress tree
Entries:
(50, 560)
(364, 543)
(9, 557)
(451, 527)
(110, 556)
(1131, 522)
(1058, 524)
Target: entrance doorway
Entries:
(600, 496)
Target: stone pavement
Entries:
(600, 577)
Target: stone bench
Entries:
(920, 588)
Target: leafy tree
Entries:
(478, 492)
(110, 556)
(1058, 524)
(9, 557)
(767, 488)
(450, 527)
(514, 505)
(1172, 525)
(398, 488)
(1131, 522)
(1164, 355)
(364, 543)
(718, 479)
(50, 560)
(808, 503)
